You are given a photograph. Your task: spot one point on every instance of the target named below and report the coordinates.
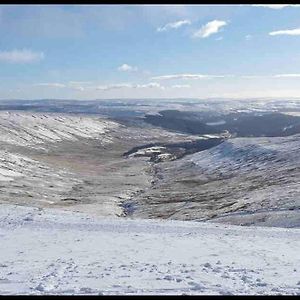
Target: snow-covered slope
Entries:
(266, 170)
(26, 128)
(242, 181)
(267, 162)
(38, 155)
(12, 165)
(246, 154)
(51, 252)
(15, 166)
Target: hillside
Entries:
(244, 180)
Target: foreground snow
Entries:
(60, 252)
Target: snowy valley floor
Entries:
(50, 251)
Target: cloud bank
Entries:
(21, 56)
(51, 84)
(286, 75)
(129, 85)
(187, 76)
(275, 6)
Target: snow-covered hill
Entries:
(248, 154)
(241, 181)
(29, 175)
(27, 128)
(266, 170)
(57, 252)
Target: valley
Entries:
(108, 164)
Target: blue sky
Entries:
(143, 51)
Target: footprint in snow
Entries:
(207, 265)
(196, 286)
(168, 277)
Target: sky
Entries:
(149, 51)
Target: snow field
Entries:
(59, 252)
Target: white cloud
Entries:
(113, 86)
(79, 82)
(74, 85)
(174, 25)
(21, 56)
(78, 88)
(209, 29)
(295, 75)
(252, 76)
(129, 85)
(127, 68)
(108, 87)
(148, 85)
(180, 86)
(286, 75)
(186, 76)
(275, 6)
(51, 84)
(248, 37)
(286, 32)
(78, 85)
